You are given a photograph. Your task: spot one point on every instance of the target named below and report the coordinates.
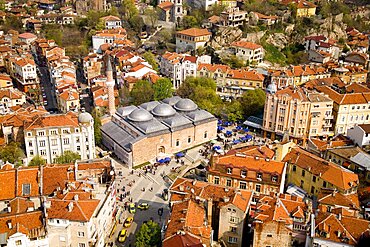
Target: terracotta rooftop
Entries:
(165, 5)
(55, 120)
(246, 45)
(10, 93)
(327, 171)
(194, 32)
(182, 240)
(334, 198)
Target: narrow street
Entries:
(45, 84)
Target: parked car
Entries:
(128, 222)
(143, 206)
(131, 208)
(122, 236)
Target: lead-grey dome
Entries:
(140, 115)
(85, 117)
(163, 110)
(271, 88)
(185, 105)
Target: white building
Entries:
(191, 39)
(10, 97)
(25, 72)
(360, 134)
(234, 17)
(248, 51)
(108, 36)
(112, 22)
(178, 66)
(49, 136)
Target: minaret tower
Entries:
(110, 85)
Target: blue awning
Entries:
(216, 147)
(181, 154)
(220, 128)
(229, 132)
(161, 161)
(219, 122)
(249, 137)
(167, 159)
(236, 141)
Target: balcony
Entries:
(326, 125)
(328, 117)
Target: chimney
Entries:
(226, 199)
(9, 223)
(70, 207)
(209, 211)
(339, 233)
(340, 216)
(75, 197)
(256, 157)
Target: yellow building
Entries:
(5, 81)
(305, 9)
(313, 173)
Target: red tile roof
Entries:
(165, 5)
(55, 120)
(195, 32)
(246, 45)
(182, 240)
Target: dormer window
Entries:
(274, 178)
(229, 170)
(243, 173)
(259, 176)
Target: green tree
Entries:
(153, 15)
(67, 157)
(142, 92)
(202, 91)
(2, 5)
(190, 21)
(150, 58)
(54, 32)
(149, 234)
(252, 102)
(233, 61)
(137, 23)
(163, 88)
(128, 9)
(97, 124)
(233, 110)
(12, 22)
(11, 153)
(93, 18)
(37, 161)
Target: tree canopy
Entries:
(37, 161)
(97, 125)
(163, 88)
(141, 92)
(67, 157)
(150, 58)
(253, 102)
(149, 234)
(11, 153)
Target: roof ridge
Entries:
(82, 212)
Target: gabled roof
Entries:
(195, 32)
(165, 5)
(182, 240)
(246, 45)
(55, 120)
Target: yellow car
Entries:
(131, 208)
(122, 236)
(128, 222)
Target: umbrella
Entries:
(167, 159)
(181, 154)
(246, 129)
(239, 128)
(220, 128)
(216, 147)
(229, 132)
(219, 122)
(236, 141)
(243, 138)
(161, 161)
(249, 137)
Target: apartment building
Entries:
(281, 219)
(92, 66)
(50, 206)
(349, 109)
(68, 100)
(9, 99)
(209, 212)
(191, 39)
(248, 51)
(109, 37)
(25, 74)
(250, 169)
(178, 67)
(298, 113)
(173, 10)
(51, 135)
(234, 17)
(312, 173)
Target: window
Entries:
(259, 176)
(302, 183)
(314, 179)
(303, 173)
(42, 152)
(233, 229)
(228, 182)
(26, 189)
(31, 152)
(42, 143)
(41, 133)
(77, 139)
(65, 141)
(177, 143)
(189, 139)
(216, 180)
(243, 173)
(78, 148)
(29, 133)
(294, 168)
(232, 240)
(205, 134)
(18, 242)
(54, 142)
(258, 188)
(269, 235)
(65, 131)
(53, 132)
(54, 152)
(229, 170)
(234, 219)
(81, 234)
(274, 179)
(81, 245)
(324, 184)
(312, 189)
(243, 185)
